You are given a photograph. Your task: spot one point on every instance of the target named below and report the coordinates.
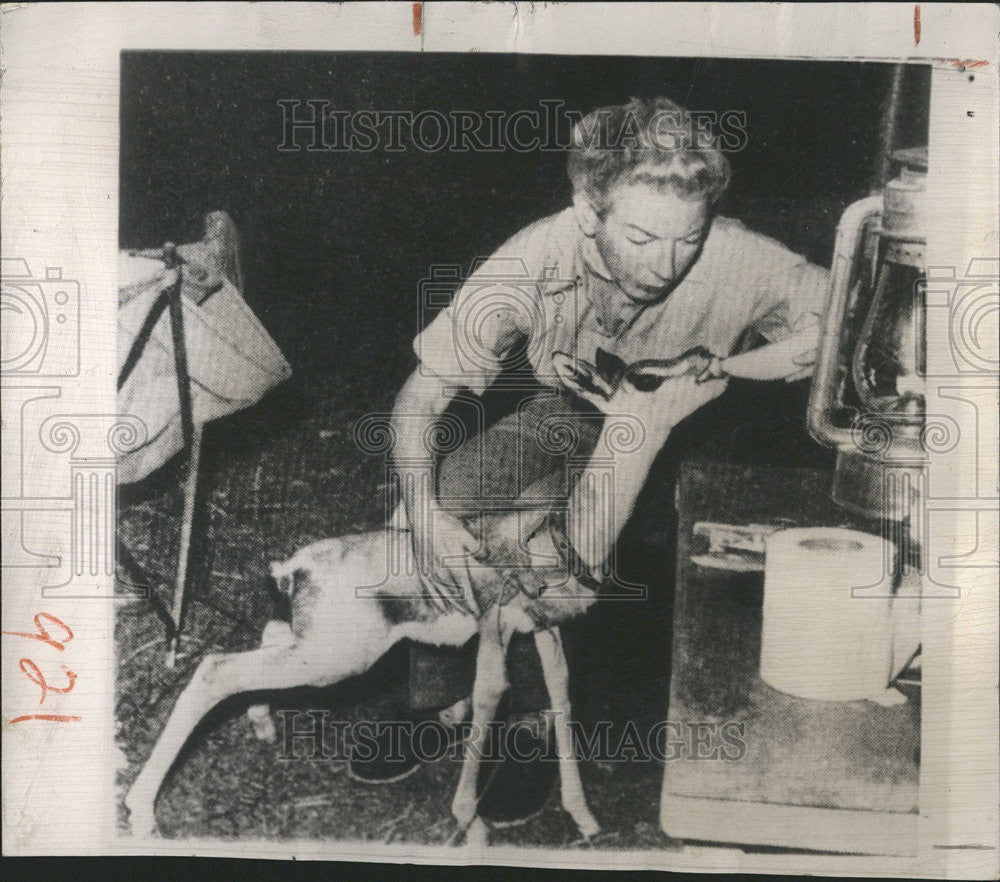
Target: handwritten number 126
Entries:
(43, 622)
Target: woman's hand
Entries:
(441, 543)
(443, 548)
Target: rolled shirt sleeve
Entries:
(494, 311)
(790, 294)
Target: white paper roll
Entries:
(826, 630)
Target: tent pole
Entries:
(190, 495)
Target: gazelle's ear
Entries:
(533, 519)
(586, 215)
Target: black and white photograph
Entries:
(505, 443)
(453, 512)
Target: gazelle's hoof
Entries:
(259, 716)
(478, 834)
(587, 825)
(142, 819)
(464, 812)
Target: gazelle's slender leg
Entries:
(556, 672)
(489, 687)
(222, 675)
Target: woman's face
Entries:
(649, 238)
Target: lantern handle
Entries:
(822, 396)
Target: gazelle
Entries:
(336, 631)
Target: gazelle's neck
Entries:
(605, 494)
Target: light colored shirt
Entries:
(548, 290)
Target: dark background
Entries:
(335, 244)
(334, 248)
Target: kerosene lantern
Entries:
(867, 397)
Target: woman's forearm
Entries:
(418, 407)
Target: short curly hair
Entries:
(654, 141)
